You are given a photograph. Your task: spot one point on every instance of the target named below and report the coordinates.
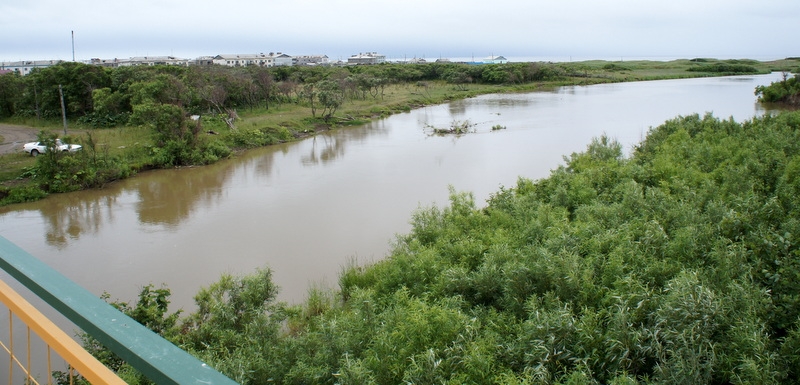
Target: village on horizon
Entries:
(272, 59)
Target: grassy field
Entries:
(296, 118)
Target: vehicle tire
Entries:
(34, 152)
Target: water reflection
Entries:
(324, 148)
(509, 102)
(68, 219)
(457, 108)
(168, 197)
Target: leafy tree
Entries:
(11, 85)
(324, 96)
(330, 97)
(111, 108)
(161, 89)
(77, 81)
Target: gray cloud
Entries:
(423, 28)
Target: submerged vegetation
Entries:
(679, 264)
(457, 127)
(138, 118)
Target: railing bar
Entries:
(49, 367)
(29, 370)
(11, 347)
(158, 359)
(13, 360)
(64, 345)
(11, 356)
(28, 337)
(5, 347)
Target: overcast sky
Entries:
(546, 29)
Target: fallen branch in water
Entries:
(456, 128)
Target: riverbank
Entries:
(256, 127)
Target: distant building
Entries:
(310, 60)
(140, 61)
(245, 60)
(490, 60)
(262, 60)
(366, 58)
(204, 61)
(25, 67)
(495, 60)
(105, 62)
(281, 59)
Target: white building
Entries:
(366, 58)
(282, 59)
(141, 61)
(261, 60)
(26, 66)
(245, 60)
(310, 60)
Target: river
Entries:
(308, 208)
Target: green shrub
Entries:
(786, 90)
(21, 194)
(725, 68)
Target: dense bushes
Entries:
(725, 68)
(676, 265)
(57, 171)
(785, 91)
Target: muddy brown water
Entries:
(306, 209)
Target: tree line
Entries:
(103, 97)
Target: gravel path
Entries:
(15, 136)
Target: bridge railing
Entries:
(21, 350)
(158, 359)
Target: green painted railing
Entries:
(158, 359)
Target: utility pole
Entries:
(73, 45)
(63, 110)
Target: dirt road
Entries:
(13, 137)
